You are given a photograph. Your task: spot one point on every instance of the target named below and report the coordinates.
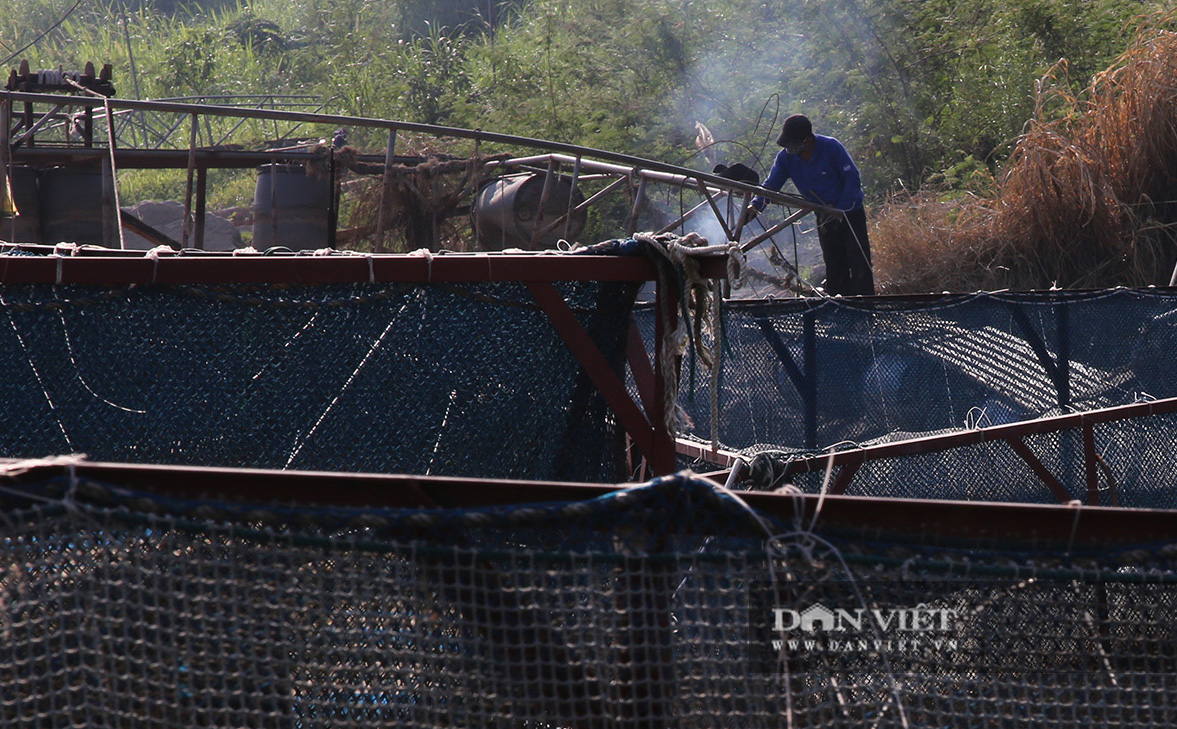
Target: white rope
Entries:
(737, 266)
(684, 253)
(153, 256)
(17, 468)
(1078, 507)
(673, 346)
(428, 256)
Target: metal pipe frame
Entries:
(671, 175)
(586, 158)
(625, 162)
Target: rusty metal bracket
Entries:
(610, 385)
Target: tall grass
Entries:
(1087, 199)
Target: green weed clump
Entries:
(1086, 200)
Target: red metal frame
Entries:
(649, 437)
(704, 452)
(848, 461)
(113, 267)
(927, 521)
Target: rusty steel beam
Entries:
(639, 365)
(927, 521)
(608, 383)
(704, 452)
(850, 460)
(1001, 524)
(112, 267)
(1040, 470)
(315, 488)
(933, 443)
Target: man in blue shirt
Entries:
(824, 174)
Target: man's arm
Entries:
(777, 177)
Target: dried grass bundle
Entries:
(420, 205)
(1086, 200)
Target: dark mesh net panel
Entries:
(468, 380)
(665, 605)
(1135, 467)
(807, 374)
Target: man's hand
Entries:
(750, 213)
(826, 221)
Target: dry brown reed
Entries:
(422, 207)
(1087, 199)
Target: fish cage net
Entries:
(463, 379)
(803, 377)
(667, 604)
(1133, 466)
(807, 374)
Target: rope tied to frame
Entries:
(70, 462)
(428, 256)
(699, 294)
(153, 256)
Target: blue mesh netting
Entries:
(468, 380)
(805, 373)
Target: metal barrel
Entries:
(506, 212)
(290, 208)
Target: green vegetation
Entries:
(931, 96)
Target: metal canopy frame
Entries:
(617, 173)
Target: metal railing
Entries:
(155, 128)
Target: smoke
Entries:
(837, 61)
(705, 223)
(739, 83)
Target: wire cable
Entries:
(41, 37)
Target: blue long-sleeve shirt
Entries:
(828, 178)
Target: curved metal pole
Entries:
(437, 130)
